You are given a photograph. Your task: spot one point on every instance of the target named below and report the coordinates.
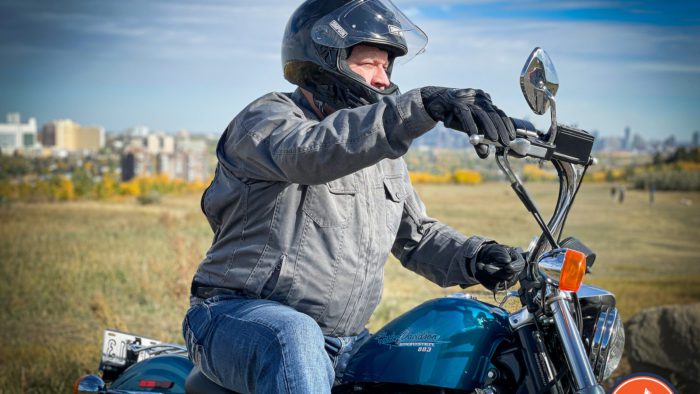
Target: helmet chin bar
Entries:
(342, 88)
(364, 91)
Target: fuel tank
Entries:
(446, 342)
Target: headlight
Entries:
(607, 343)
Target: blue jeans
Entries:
(253, 345)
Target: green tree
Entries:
(82, 182)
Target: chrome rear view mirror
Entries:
(539, 81)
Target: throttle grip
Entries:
(523, 124)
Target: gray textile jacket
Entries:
(305, 211)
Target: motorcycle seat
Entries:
(197, 383)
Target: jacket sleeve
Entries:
(272, 139)
(433, 249)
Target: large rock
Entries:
(666, 341)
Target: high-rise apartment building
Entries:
(71, 136)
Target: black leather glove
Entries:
(497, 266)
(471, 111)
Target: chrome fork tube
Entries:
(574, 352)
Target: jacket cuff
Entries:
(412, 112)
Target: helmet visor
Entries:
(373, 22)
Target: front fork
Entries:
(537, 361)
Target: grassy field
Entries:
(69, 270)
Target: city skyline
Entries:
(174, 65)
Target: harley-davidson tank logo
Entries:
(424, 342)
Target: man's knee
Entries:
(297, 330)
(263, 346)
(296, 358)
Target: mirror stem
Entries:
(553, 112)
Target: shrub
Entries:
(131, 188)
(667, 179)
(8, 190)
(151, 197)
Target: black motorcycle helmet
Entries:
(320, 35)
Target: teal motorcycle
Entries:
(567, 337)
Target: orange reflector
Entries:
(573, 270)
(76, 384)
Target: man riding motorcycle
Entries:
(311, 194)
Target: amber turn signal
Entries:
(573, 270)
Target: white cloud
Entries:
(612, 74)
(605, 68)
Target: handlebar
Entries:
(568, 149)
(570, 145)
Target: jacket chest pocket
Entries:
(395, 193)
(331, 204)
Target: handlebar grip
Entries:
(525, 128)
(522, 124)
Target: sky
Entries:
(172, 65)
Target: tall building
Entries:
(626, 141)
(158, 153)
(696, 138)
(159, 143)
(135, 161)
(638, 143)
(192, 163)
(16, 135)
(71, 136)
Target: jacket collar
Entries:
(301, 102)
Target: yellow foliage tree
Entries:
(130, 188)
(62, 189)
(107, 187)
(533, 172)
(424, 177)
(598, 176)
(468, 177)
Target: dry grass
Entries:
(647, 254)
(69, 270)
